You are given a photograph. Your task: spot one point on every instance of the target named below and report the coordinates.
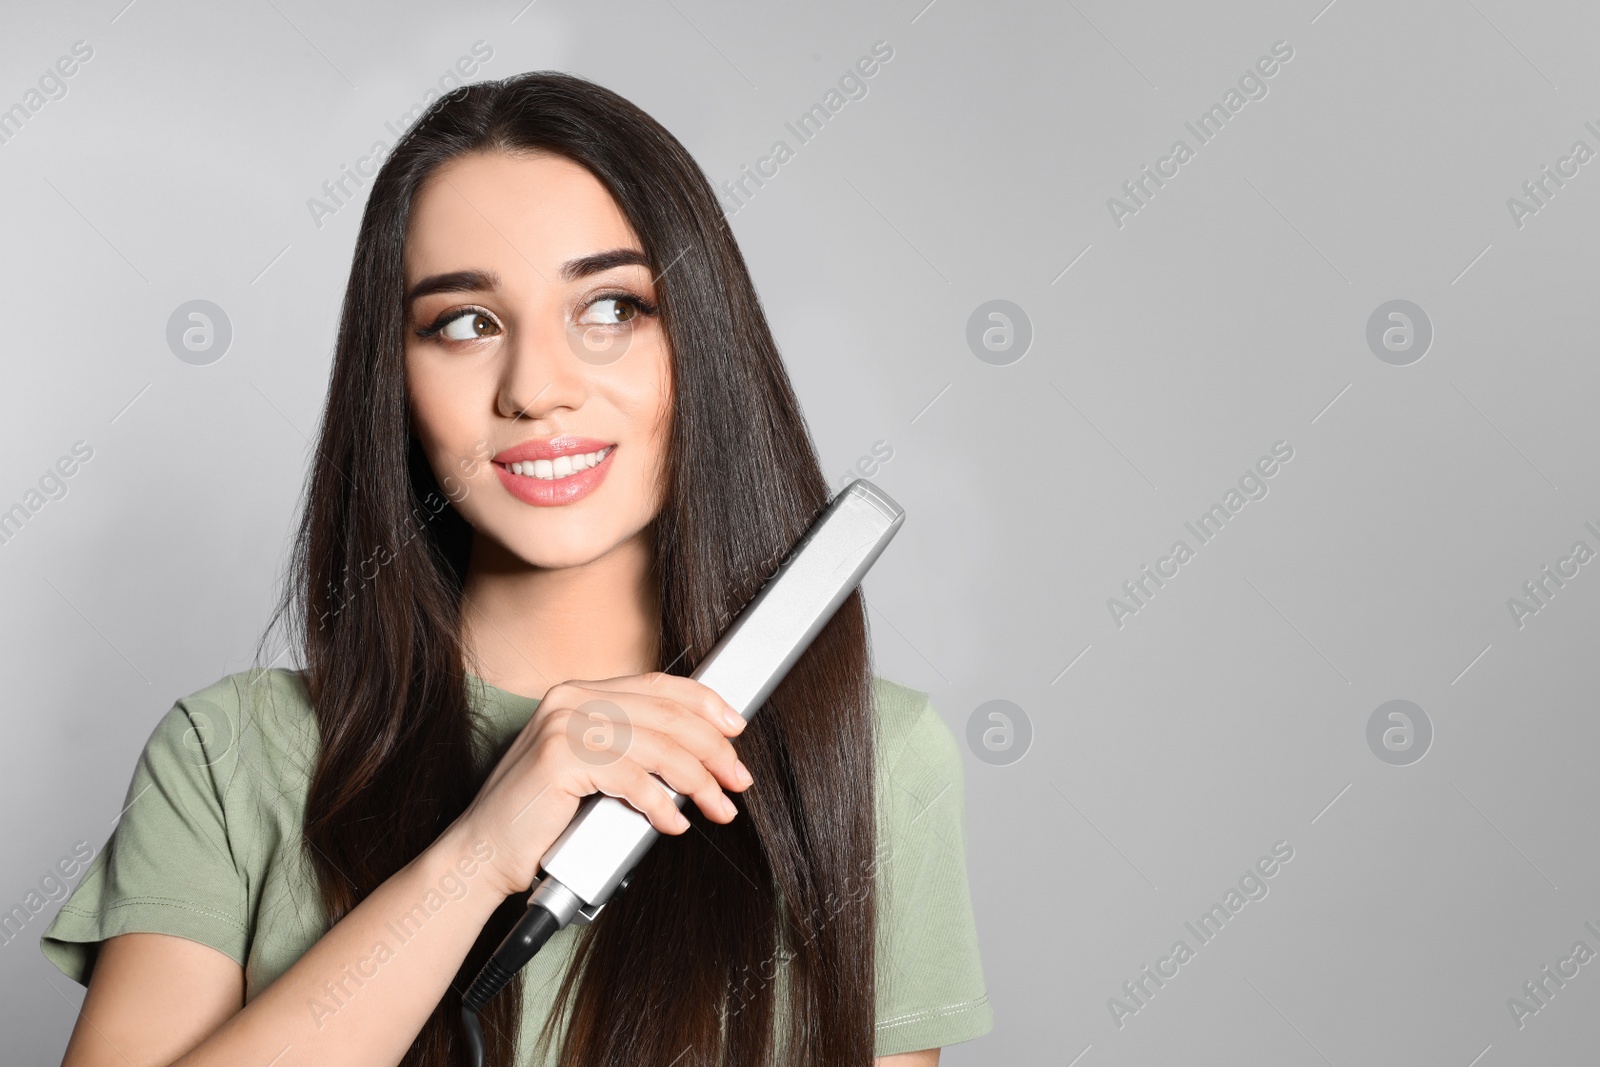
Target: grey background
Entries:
(1229, 313)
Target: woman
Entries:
(560, 452)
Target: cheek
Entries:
(650, 411)
(442, 417)
(441, 402)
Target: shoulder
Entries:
(262, 718)
(916, 749)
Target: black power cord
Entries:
(523, 942)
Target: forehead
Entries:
(500, 211)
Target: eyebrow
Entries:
(463, 281)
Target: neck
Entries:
(525, 629)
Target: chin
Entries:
(556, 540)
(546, 558)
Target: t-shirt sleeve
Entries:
(931, 990)
(168, 866)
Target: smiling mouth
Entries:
(553, 470)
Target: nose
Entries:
(540, 376)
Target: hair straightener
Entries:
(595, 854)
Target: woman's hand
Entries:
(607, 736)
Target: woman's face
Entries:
(533, 350)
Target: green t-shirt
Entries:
(209, 849)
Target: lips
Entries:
(550, 448)
(553, 492)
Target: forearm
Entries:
(358, 997)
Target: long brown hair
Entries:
(680, 967)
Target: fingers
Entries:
(683, 771)
(673, 688)
(699, 728)
(639, 738)
(630, 782)
(613, 755)
(700, 739)
(608, 769)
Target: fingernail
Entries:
(681, 821)
(727, 806)
(734, 720)
(741, 773)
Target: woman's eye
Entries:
(612, 311)
(469, 326)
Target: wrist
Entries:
(461, 863)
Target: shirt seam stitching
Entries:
(933, 1013)
(178, 904)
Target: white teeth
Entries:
(560, 467)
